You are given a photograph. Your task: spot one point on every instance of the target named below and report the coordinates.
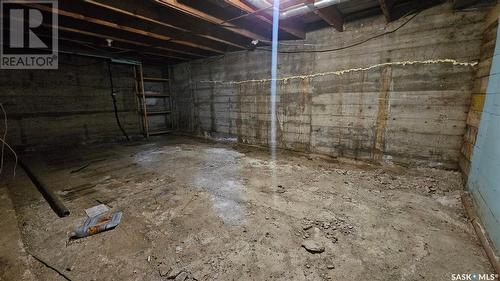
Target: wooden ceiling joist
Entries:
(175, 4)
(386, 6)
(125, 28)
(93, 42)
(285, 25)
(181, 30)
(332, 16)
(117, 39)
(122, 51)
(151, 13)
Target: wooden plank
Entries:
(296, 30)
(123, 27)
(149, 13)
(332, 16)
(175, 4)
(144, 114)
(158, 112)
(156, 79)
(103, 36)
(160, 132)
(386, 6)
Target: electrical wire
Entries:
(348, 46)
(4, 143)
(113, 96)
(4, 135)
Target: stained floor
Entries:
(212, 212)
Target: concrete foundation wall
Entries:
(68, 105)
(409, 105)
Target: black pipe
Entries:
(49, 196)
(113, 96)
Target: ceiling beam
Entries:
(175, 4)
(285, 25)
(167, 18)
(93, 43)
(127, 41)
(69, 44)
(386, 6)
(332, 16)
(134, 30)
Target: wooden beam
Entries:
(123, 27)
(123, 51)
(175, 4)
(148, 12)
(141, 44)
(96, 45)
(332, 16)
(286, 26)
(386, 6)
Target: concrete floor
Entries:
(213, 211)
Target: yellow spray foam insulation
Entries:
(345, 71)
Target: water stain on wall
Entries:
(383, 106)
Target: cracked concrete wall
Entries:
(386, 110)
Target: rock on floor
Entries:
(313, 246)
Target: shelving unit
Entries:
(146, 102)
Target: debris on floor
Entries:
(313, 246)
(213, 212)
(96, 210)
(96, 224)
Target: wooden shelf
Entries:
(146, 110)
(155, 79)
(158, 112)
(154, 96)
(159, 132)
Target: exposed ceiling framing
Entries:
(173, 31)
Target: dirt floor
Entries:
(207, 211)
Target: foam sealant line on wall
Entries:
(346, 71)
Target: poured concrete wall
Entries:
(409, 104)
(68, 105)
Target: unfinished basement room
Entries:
(250, 140)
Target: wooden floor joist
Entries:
(125, 7)
(175, 4)
(69, 29)
(123, 27)
(286, 26)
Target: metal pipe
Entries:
(306, 8)
(49, 196)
